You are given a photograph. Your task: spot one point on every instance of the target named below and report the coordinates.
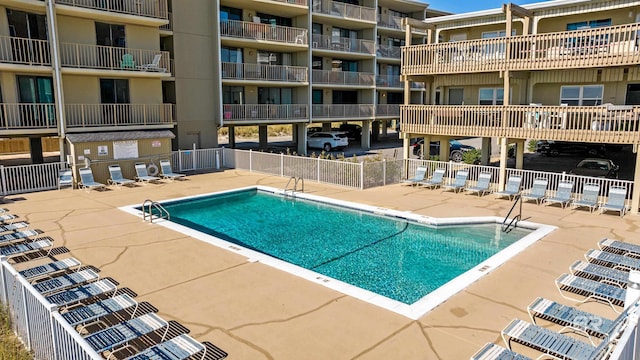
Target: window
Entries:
(26, 25)
(456, 96)
(581, 95)
(316, 63)
(274, 95)
(232, 55)
(316, 29)
(317, 97)
(491, 96)
(110, 35)
(114, 91)
(274, 20)
(229, 13)
(344, 97)
(35, 89)
(344, 65)
(274, 58)
(588, 24)
(233, 95)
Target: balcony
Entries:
(351, 78)
(147, 8)
(295, 2)
(388, 110)
(112, 58)
(119, 115)
(344, 10)
(599, 47)
(343, 44)
(389, 81)
(390, 22)
(265, 113)
(342, 111)
(23, 51)
(28, 117)
(261, 72)
(388, 51)
(263, 32)
(602, 124)
(169, 25)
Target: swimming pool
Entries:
(398, 260)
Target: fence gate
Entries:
(186, 160)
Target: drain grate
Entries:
(484, 268)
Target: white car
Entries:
(327, 140)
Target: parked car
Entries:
(595, 167)
(354, 131)
(555, 148)
(327, 140)
(313, 129)
(456, 149)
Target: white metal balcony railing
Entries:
(343, 44)
(296, 2)
(389, 51)
(389, 81)
(168, 26)
(237, 71)
(598, 47)
(147, 8)
(16, 50)
(325, 111)
(110, 57)
(258, 31)
(27, 116)
(94, 115)
(388, 110)
(342, 77)
(265, 111)
(344, 10)
(389, 21)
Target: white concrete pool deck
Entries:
(254, 311)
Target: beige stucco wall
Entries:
(86, 90)
(76, 30)
(617, 17)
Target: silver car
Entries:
(327, 140)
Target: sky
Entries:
(462, 6)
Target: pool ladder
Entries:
(296, 180)
(514, 222)
(148, 207)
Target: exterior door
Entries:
(456, 96)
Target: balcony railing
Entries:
(389, 51)
(598, 47)
(258, 112)
(388, 110)
(327, 111)
(110, 57)
(16, 50)
(342, 77)
(344, 10)
(296, 2)
(168, 26)
(235, 71)
(603, 124)
(389, 81)
(257, 31)
(344, 44)
(118, 115)
(389, 21)
(27, 116)
(147, 8)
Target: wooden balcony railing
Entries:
(344, 44)
(27, 116)
(388, 110)
(389, 81)
(257, 112)
(16, 50)
(327, 111)
(237, 71)
(598, 47)
(118, 115)
(147, 8)
(257, 31)
(389, 51)
(606, 124)
(110, 57)
(342, 77)
(344, 10)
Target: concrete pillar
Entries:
(426, 147)
(294, 131)
(36, 150)
(232, 137)
(519, 154)
(375, 130)
(502, 175)
(301, 132)
(635, 195)
(385, 126)
(406, 146)
(445, 148)
(263, 141)
(485, 151)
(366, 137)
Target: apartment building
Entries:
(556, 70)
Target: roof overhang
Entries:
(119, 136)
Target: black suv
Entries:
(354, 131)
(555, 148)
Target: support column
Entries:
(406, 145)
(485, 151)
(366, 137)
(375, 130)
(301, 132)
(232, 136)
(426, 147)
(263, 141)
(36, 150)
(519, 154)
(445, 148)
(385, 126)
(635, 195)
(502, 176)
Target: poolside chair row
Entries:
(88, 182)
(459, 183)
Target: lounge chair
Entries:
(436, 179)
(51, 268)
(154, 65)
(512, 189)
(600, 273)
(616, 201)
(563, 194)
(588, 198)
(86, 180)
(65, 178)
(142, 175)
(26, 248)
(20, 225)
(482, 187)
(20, 235)
(166, 172)
(179, 348)
(492, 351)
(612, 260)
(82, 293)
(590, 290)
(66, 281)
(116, 177)
(117, 337)
(89, 314)
(459, 182)
(6, 218)
(619, 247)
(421, 171)
(538, 192)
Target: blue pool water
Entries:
(399, 259)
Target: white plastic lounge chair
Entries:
(512, 189)
(600, 273)
(166, 172)
(179, 348)
(20, 225)
(482, 187)
(20, 235)
(590, 290)
(26, 248)
(49, 269)
(616, 201)
(563, 194)
(459, 182)
(89, 314)
(86, 180)
(82, 293)
(116, 177)
(66, 281)
(588, 198)
(492, 351)
(612, 260)
(65, 178)
(6, 218)
(142, 175)
(154, 65)
(619, 247)
(117, 337)
(538, 192)
(421, 172)
(435, 181)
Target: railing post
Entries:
(362, 175)
(5, 297)
(384, 172)
(53, 308)
(4, 180)
(250, 161)
(281, 164)
(318, 169)
(26, 317)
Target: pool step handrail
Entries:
(296, 180)
(162, 213)
(514, 221)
